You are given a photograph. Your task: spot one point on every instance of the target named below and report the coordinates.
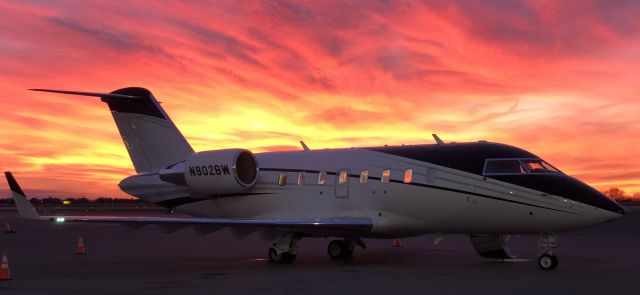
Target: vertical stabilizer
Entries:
(151, 138)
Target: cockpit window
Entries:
(538, 166)
(517, 166)
(504, 166)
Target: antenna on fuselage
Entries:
(438, 140)
(304, 146)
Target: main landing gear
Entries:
(547, 260)
(341, 249)
(284, 250)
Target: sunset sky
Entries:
(558, 78)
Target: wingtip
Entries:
(304, 146)
(25, 208)
(13, 184)
(437, 139)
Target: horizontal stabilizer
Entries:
(96, 94)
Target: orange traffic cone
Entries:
(396, 243)
(5, 275)
(80, 247)
(8, 229)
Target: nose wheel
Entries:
(280, 258)
(547, 260)
(284, 250)
(340, 249)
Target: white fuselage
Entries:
(437, 200)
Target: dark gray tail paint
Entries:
(151, 138)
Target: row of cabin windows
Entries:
(343, 177)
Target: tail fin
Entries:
(151, 138)
(25, 209)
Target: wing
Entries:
(313, 226)
(324, 226)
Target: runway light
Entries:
(59, 219)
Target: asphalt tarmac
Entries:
(601, 260)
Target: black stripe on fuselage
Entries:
(470, 157)
(420, 185)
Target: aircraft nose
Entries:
(605, 203)
(584, 193)
(618, 209)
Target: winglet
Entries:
(438, 140)
(25, 208)
(304, 146)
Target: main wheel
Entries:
(282, 258)
(338, 249)
(547, 261)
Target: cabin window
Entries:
(364, 176)
(282, 180)
(344, 176)
(408, 174)
(322, 177)
(386, 174)
(503, 166)
(301, 178)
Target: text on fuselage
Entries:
(209, 170)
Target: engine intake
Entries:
(215, 172)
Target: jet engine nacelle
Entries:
(215, 172)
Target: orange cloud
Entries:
(556, 78)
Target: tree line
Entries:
(619, 195)
(59, 201)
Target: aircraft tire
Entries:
(547, 261)
(339, 250)
(282, 258)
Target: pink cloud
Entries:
(557, 78)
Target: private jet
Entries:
(486, 190)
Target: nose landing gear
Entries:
(284, 251)
(547, 260)
(281, 258)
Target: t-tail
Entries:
(151, 138)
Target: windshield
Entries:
(517, 166)
(538, 166)
(506, 166)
